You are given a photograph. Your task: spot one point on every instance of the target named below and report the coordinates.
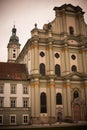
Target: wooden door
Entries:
(77, 112)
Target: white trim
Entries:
(2, 119)
(10, 119)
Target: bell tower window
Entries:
(14, 55)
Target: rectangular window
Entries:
(1, 102)
(13, 89)
(1, 89)
(12, 119)
(25, 89)
(13, 102)
(1, 119)
(25, 119)
(25, 102)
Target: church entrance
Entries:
(77, 112)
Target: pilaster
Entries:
(35, 51)
(64, 22)
(86, 96)
(50, 47)
(67, 62)
(51, 100)
(84, 60)
(68, 98)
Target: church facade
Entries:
(51, 69)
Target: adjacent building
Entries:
(47, 80)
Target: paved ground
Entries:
(63, 124)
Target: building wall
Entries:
(19, 111)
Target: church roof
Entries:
(13, 71)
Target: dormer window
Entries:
(71, 30)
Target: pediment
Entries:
(75, 76)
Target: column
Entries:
(68, 91)
(67, 60)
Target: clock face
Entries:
(57, 55)
(73, 57)
(42, 54)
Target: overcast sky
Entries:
(24, 14)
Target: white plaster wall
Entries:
(19, 95)
(58, 90)
(57, 60)
(6, 95)
(70, 20)
(42, 59)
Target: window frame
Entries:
(1, 89)
(74, 68)
(13, 104)
(1, 103)
(13, 89)
(25, 89)
(43, 102)
(57, 70)
(13, 123)
(42, 69)
(23, 120)
(25, 102)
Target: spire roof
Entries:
(14, 38)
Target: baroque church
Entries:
(47, 80)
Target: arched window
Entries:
(57, 69)
(74, 68)
(43, 103)
(75, 94)
(58, 99)
(42, 69)
(71, 30)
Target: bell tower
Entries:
(13, 46)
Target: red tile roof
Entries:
(13, 71)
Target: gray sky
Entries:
(24, 14)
